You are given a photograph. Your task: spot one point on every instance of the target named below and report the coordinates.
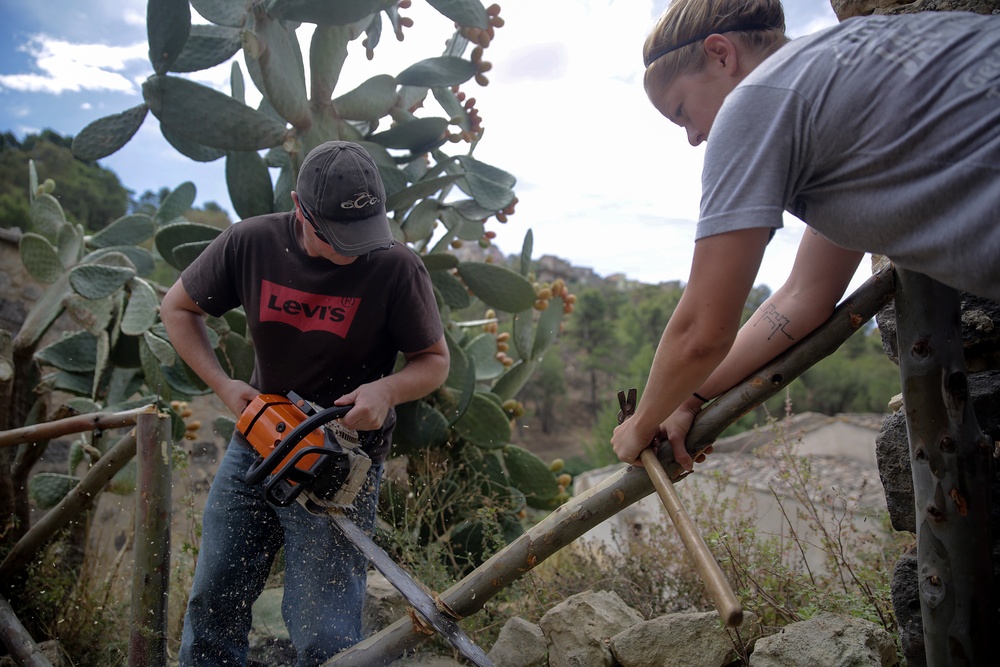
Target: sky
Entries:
(604, 181)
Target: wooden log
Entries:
(147, 646)
(69, 507)
(19, 643)
(952, 467)
(74, 424)
(628, 485)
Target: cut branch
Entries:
(74, 424)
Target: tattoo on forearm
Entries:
(771, 317)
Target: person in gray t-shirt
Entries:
(882, 134)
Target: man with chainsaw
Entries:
(881, 133)
(331, 301)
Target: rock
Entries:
(520, 644)
(906, 605)
(693, 640)
(383, 604)
(848, 8)
(829, 640)
(892, 451)
(269, 640)
(579, 628)
(50, 650)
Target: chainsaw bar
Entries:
(412, 591)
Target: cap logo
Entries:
(361, 199)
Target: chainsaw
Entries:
(305, 454)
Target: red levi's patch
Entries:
(305, 311)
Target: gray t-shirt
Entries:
(881, 133)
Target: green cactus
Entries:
(48, 488)
(532, 476)
(438, 195)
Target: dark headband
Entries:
(656, 55)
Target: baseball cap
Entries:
(340, 188)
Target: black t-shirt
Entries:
(318, 329)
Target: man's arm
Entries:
(425, 371)
(185, 323)
(818, 279)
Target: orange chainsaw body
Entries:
(268, 419)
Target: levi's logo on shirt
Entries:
(306, 311)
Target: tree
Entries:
(89, 193)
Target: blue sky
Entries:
(603, 180)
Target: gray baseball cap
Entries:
(341, 193)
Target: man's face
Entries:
(693, 100)
(316, 244)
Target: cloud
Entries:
(65, 66)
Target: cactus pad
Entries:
(106, 135)
(40, 258)
(484, 423)
(126, 230)
(498, 286)
(48, 488)
(531, 475)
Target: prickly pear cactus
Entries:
(421, 126)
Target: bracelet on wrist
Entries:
(700, 397)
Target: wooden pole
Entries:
(147, 645)
(952, 468)
(69, 507)
(19, 643)
(715, 581)
(74, 424)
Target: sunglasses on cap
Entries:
(312, 223)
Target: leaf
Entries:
(482, 351)
(484, 423)
(47, 216)
(232, 13)
(75, 353)
(208, 45)
(168, 23)
(370, 101)
(172, 236)
(40, 258)
(126, 230)
(281, 69)
(209, 117)
(489, 186)
(176, 204)
(441, 71)
(453, 292)
(419, 223)
(439, 261)
(249, 184)
(548, 327)
(514, 379)
(417, 136)
(106, 135)
(143, 305)
(526, 250)
(498, 286)
(341, 12)
(408, 196)
(95, 281)
(191, 149)
(466, 13)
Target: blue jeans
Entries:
(325, 575)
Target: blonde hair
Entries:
(673, 47)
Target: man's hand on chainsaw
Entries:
(372, 403)
(237, 395)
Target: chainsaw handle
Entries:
(261, 468)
